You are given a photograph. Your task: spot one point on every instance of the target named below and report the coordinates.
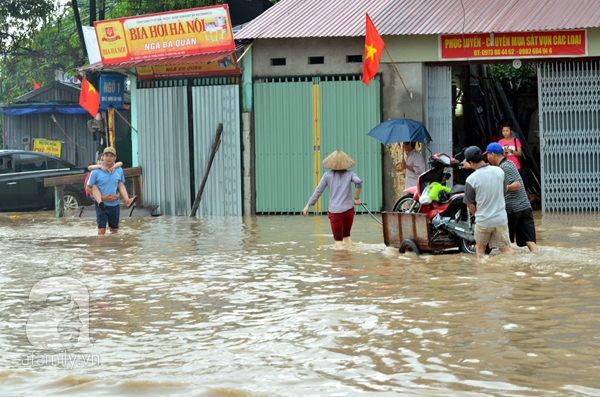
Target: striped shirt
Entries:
(516, 201)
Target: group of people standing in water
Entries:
(496, 196)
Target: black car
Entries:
(22, 176)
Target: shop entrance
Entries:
(466, 105)
(554, 109)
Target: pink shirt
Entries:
(512, 144)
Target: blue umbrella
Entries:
(400, 130)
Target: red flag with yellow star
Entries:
(373, 47)
(89, 98)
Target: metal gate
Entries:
(174, 150)
(163, 148)
(215, 104)
(298, 122)
(438, 108)
(569, 112)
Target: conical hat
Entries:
(338, 160)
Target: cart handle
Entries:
(365, 207)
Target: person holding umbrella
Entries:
(341, 204)
(409, 132)
(413, 162)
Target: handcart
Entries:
(412, 232)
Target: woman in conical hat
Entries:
(341, 204)
(338, 160)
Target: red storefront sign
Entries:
(513, 45)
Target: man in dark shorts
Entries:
(518, 207)
(484, 195)
(107, 204)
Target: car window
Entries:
(56, 164)
(6, 164)
(32, 162)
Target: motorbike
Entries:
(449, 217)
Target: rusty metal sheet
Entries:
(391, 229)
(398, 226)
(416, 227)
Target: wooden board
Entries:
(89, 211)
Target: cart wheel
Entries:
(409, 245)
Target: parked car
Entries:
(22, 175)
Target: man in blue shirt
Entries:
(107, 205)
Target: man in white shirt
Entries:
(413, 163)
(484, 195)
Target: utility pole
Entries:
(79, 27)
(92, 12)
(102, 10)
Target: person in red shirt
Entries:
(512, 146)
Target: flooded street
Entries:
(264, 306)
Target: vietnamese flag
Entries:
(373, 47)
(36, 86)
(89, 98)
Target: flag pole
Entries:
(397, 71)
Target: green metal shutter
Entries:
(349, 110)
(283, 145)
(298, 122)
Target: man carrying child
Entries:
(109, 181)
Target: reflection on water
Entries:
(264, 306)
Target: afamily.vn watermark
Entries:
(59, 322)
(43, 325)
(63, 359)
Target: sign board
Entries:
(112, 90)
(513, 45)
(47, 146)
(174, 33)
(91, 44)
(226, 65)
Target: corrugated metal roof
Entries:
(56, 91)
(346, 18)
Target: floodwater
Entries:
(264, 306)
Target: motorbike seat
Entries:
(458, 188)
(444, 197)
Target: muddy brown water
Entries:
(264, 306)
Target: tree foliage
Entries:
(40, 36)
(19, 21)
(516, 79)
(53, 45)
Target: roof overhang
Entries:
(162, 61)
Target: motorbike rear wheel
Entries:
(405, 202)
(467, 247)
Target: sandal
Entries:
(131, 201)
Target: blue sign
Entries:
(112, 90)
